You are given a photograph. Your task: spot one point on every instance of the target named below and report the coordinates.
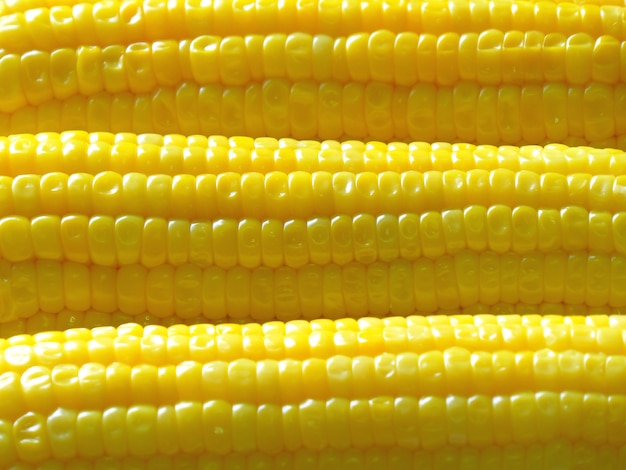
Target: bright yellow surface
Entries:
(210, 209)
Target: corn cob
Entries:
(188, 427)
(303, 195)
(364, 238)
(151, 154)
(107, 23)
(560, 453)
(399, 287)
(222, 257)
(453, 373)
(490, 58)
(506, 114)
(483, 334)
(435, 388)
(66, 319)
(15, 6)
(553, 455)
(415, 399)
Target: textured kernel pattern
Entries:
(426, 386)
(580, 198)
(453, 372)
(66, 319)
(552, 455)
(491, 57)
(150, 154)
(116, 228)
(399, 287)
(16, 6)
(585, 340)
(365, 238)
(428, 423)
(106, 23)
(465, 112)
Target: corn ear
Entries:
(64, 393)
(466, 111)
(155, 154)
(106, 23)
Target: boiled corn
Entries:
(590, 332)
(552, 455)
(65, 393)
(303, 195)
(489, 58)
(107, 228)
(14, 6)
(466, 111)
(399, 287)
(106, 23)
(173, 154)
(364, 238)
(66, 319)
(449, 375)
(428, 423)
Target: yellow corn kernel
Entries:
(13, 96)
(154, 241)
(518, 393)
(96, 152)
(106, 24)
(284, 196)
(512, 245)
(575, 279)
(554, 453)
(554, 326)
(365, 112)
